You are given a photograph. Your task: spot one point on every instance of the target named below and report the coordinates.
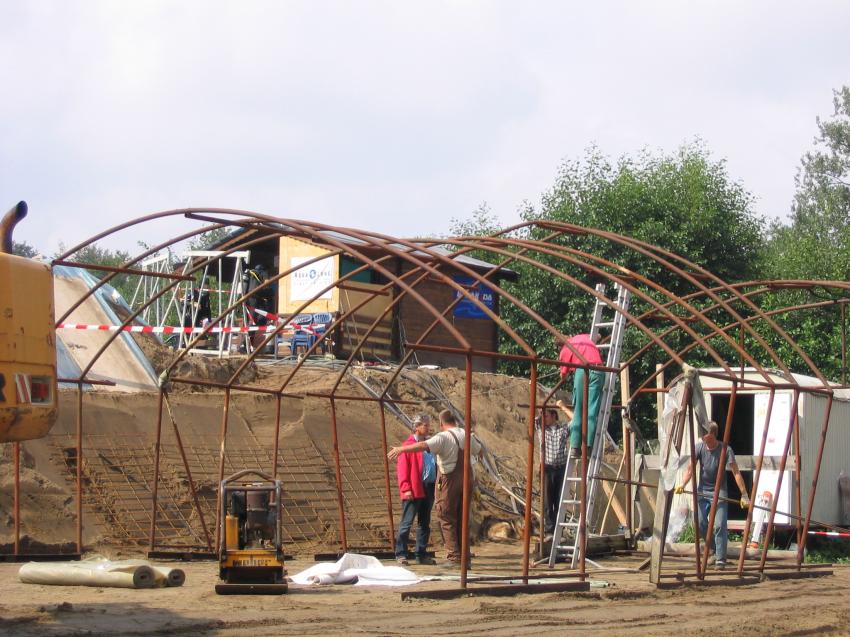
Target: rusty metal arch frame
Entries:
(383, 242)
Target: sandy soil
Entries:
(627, 605)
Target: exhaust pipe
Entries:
(8, 223)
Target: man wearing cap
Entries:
(707, 453)
(583, 345)
(417, 475)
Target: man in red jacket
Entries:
(417, 474)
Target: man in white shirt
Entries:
(447, 446)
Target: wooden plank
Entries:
(497, 591)
(664, 498)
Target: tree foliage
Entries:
(815, 244)
(23, 249)
(684, 202)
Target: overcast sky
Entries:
(394, 116)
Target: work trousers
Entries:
(420, 509)
(553, 479)
(449, 505)
(594, 399)
(720, 517)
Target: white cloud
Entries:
(390, 116)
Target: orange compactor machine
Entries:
(251, 553)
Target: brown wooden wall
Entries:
(481, 333)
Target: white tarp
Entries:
(99, 571)
(352, 568)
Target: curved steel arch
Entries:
(425, 261)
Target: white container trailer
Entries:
(751, 404)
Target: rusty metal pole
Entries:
(387, 487)
(582, 526)
(276, 438)
(192, 489)
(721, 474)
(541, 481)
(627, 447)
(467, 475)
(798, 505)
(17, 497)
(754, 491)
(768, 536)
(694, 488)
(338, 469)
(219, 506)
(802, 544)
(529, 475)
(843, 343)
(155, 486)
(79, 452)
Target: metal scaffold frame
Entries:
(704, 320)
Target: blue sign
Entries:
(466, 308)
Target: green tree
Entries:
(684, 202)
(23, 249)
(815, 244)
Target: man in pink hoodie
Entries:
(417, 474)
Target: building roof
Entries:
(333, 235)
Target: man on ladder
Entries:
(584, 345)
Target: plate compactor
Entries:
(251, 555)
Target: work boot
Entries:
(425, 560)
(402, 561)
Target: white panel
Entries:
(306, 282)
(767, 482)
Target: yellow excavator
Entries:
(28, 390)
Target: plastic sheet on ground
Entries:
(352, 568)
(101, 572)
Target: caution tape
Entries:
(167, 329)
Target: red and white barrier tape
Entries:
(166, 329)
(829, 533)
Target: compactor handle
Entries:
(8, 223)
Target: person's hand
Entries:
(679, 490)
(559, 403)
(408, 495)
(393, 453)
(745, 501)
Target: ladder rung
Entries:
(605, 324)
(570, 501)
(569, 524)
(603, 346)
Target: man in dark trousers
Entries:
(447, 446)
(553, 438)
(417, 476)
(708, 455)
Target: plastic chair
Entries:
(299, 338)
(321, 320)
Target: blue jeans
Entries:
(720, 517)
(411, 509)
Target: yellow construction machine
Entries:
(27, 341)
(251, 551)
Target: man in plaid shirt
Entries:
(555, 438)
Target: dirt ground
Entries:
(619, 603)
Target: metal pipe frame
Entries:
(427, 263)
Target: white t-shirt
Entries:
(447, 444)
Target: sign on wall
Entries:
(466, 308)
(305, 283)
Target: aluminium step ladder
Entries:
(566, 540)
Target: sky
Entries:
(393, 116)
